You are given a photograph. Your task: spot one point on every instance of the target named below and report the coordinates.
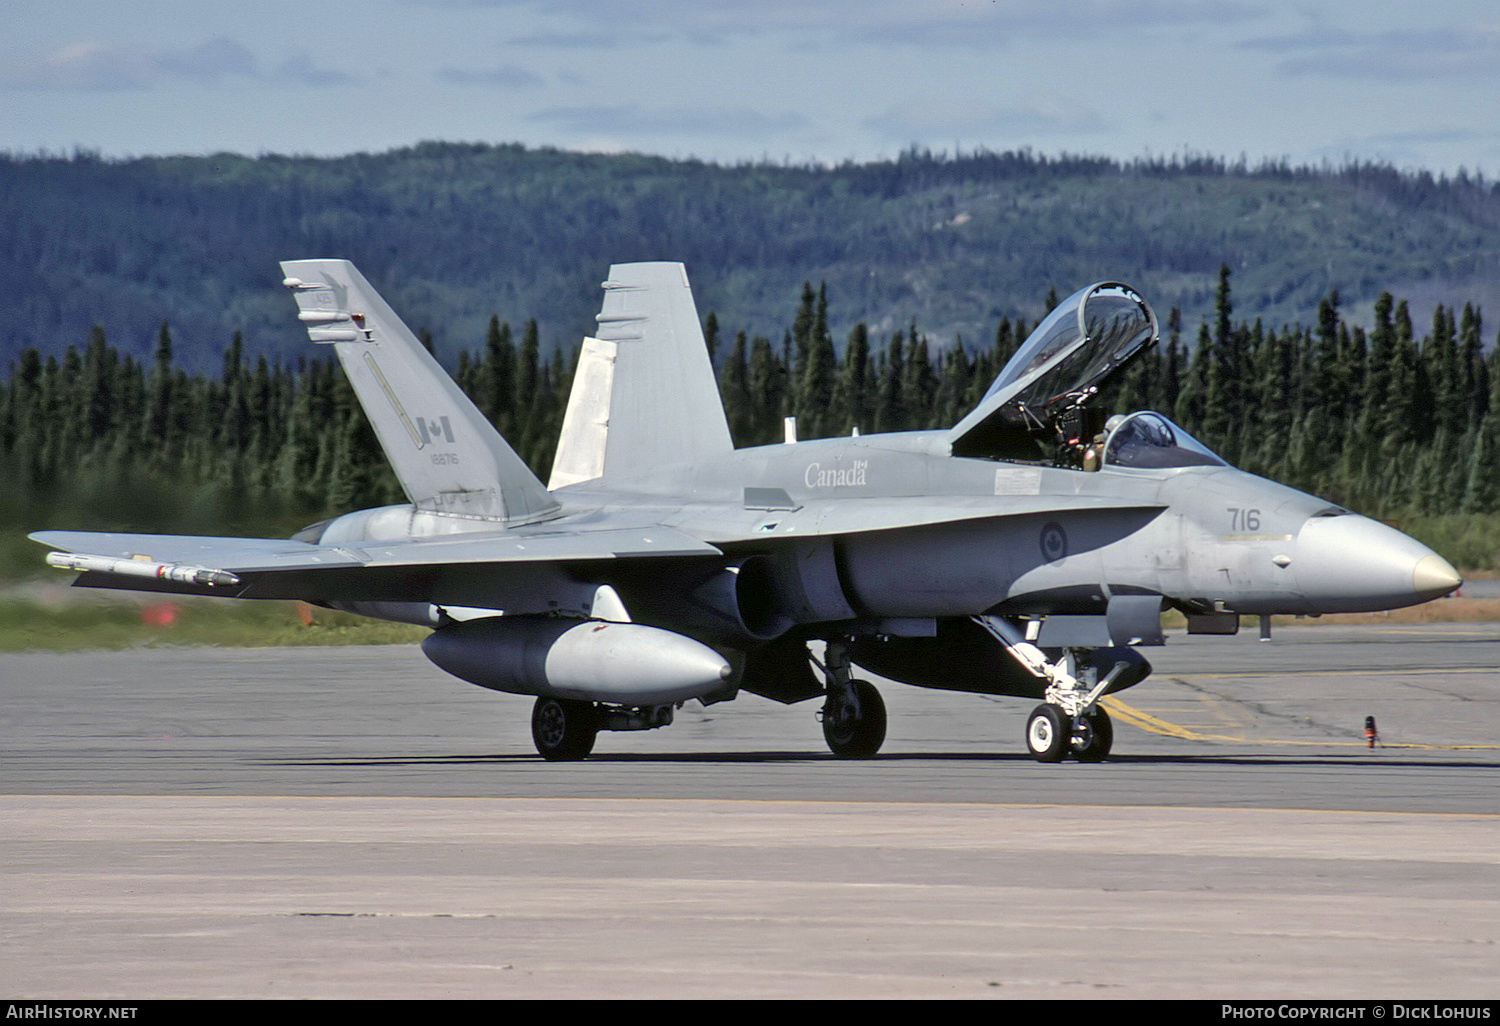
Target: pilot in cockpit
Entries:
(1093, 456)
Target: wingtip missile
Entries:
(182, 574)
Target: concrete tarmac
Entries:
(354, 823)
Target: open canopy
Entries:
(1079, 346)
(1090, 335)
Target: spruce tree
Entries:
(156, 429)
(767, 392)
(890, 403)
(734, 391)
(816, 371)
(496, 374)
(919, 383)
(851, 402)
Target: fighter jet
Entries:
(1027, 551)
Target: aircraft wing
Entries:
(451, 568)
(271, 568)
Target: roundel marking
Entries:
(1054, 542)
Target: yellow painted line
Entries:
(1150, 723)
(1438, 631)
(1416, 672)
(1136, 718)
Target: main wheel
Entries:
(1049, 734)
(1094, 737)
(563, 730)
(854, 723)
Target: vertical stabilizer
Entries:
(645, 393)
(447, 455)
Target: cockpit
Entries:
(1148, 440)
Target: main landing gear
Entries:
(853, 713)
(564, 729)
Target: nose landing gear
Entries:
(1070, 722)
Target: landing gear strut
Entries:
(1070, 722)
(853, 714)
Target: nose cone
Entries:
(1352, 564)
(1434, 577)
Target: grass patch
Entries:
(21, 558)
(28, 625)
(1470, 541)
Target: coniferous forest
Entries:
(1345, 353)
(1393, 419)
(451, 233)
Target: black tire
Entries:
(563, 730)
(854, 726)
(1049, 734)
(1095, 737)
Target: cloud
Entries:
(506, 76)
(979, 122)
(94, 66)
(303, 70)
(922, 23)
(82, 65)
(582, 40)
(1447, 52)
(962, 24)
(613, 122)
(209, 61)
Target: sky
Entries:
(1416, 85)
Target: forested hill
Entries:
(453, 233)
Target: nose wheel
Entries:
(1052, 735)
(1093, 736)
(1048, 734)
